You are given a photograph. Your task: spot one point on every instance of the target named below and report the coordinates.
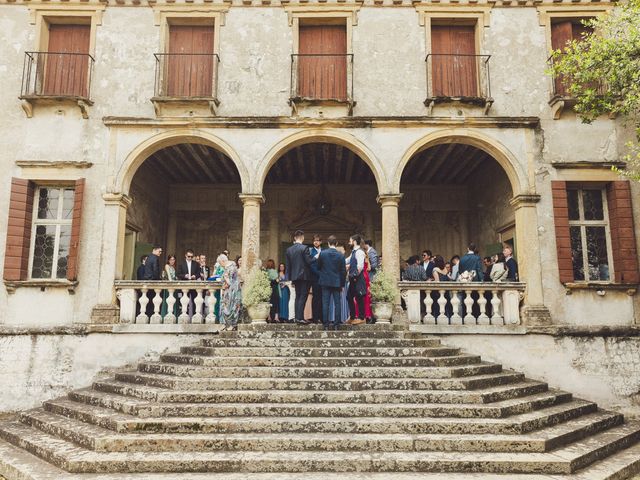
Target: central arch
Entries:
(320, 136)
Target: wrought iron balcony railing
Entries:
(458, 76)
(322, 77)
(56, 74)
(186, 75)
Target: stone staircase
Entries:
(291, 402)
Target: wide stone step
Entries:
(230, 342)
(318, 372)
(482, 395)
(515, 424)
(302, 333)
(75, 458)
(184, 383)
(100, 439)
(322, 351)
(534, 396)
(247, 361)
(317, 327)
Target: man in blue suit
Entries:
(332, 274)
(471, 262)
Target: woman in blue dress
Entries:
(284, 293)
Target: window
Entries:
(51, 233)
(453, 48)
(66, 61)
(190, 66)
(589, 234)
(562, 32)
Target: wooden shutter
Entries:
(67, 74)
(453, 64)
(563, 240)
(623, 240)
(72, 261)
(322, 77)
(190, 61)
(16, 257)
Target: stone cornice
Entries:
(596, 165)
(524, 200)
(345, 122)
(53, 164)
(321, 3)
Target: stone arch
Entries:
(320, 136)
(514, 171)
(140, 153)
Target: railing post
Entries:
(412, 301)
(511, 307)
(128, 301)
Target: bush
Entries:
(383, 288)
(256, 289)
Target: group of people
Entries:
(501, 267)
(195, 268)
(339, 285)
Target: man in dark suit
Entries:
(152, 265)
(511, 264)
(427, 263)
(316, 289)
(189, 270)
(140, 271)
(471, 262)
(299, 273)
(333, 273)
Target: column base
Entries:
(536, 315)
(105, 314)
(399, 316)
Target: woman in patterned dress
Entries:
(231, 296)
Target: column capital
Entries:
(119, 199)
(524, 200)
(389, 199)
(251, 198)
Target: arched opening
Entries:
(184, 195)
(455, 193)
(321, 188)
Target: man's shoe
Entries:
(349, 321)
(358, 321)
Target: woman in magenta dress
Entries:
(368, 314)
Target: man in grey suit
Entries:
(374, 259)
(333, 273)
(299, 272)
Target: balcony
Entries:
(323, 82)
(185, 83)
(56, 78)
(461, 78)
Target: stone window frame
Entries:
(546, 16)
(166, 15)
(44, 15)
(329, 13)
(477, 15)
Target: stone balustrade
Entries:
(171, 302)
(461, 303)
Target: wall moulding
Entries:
(280, 3)
(58, 164)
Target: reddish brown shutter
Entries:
(623, 240)
(72, 261)
(66, 73)
(561, 220)
(190, 62)
(453, 63)
(16, 257)
(323, 76)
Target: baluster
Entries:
(143, 301)
(469, 319)
(157, 304)
(428, 303)
(198, 304)
(442, 303)
(170, 317)
(184, 304)
(483, 319)
(496, 319)
(211, 317)
(456, 318)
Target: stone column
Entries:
(111, 256)
(172, 229)
(529, 261)
(250, 228)
(390, 235)
(274, 236)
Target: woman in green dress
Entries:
(231, 296)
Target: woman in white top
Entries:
(499, 271)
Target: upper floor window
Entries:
(453, 48)
(563, 32)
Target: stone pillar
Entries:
(529, 260)
(274, 236)
(250, 229)
(172, 229)
(369, 227)
(390, 235)
(111, 257)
